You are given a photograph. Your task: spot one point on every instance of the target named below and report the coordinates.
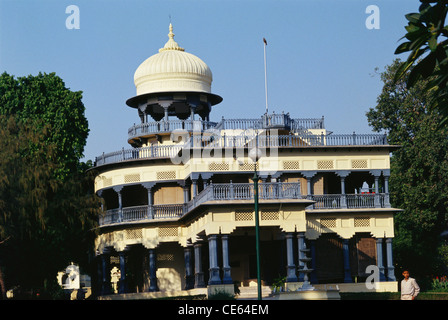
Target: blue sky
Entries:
(321, 57)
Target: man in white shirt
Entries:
(409, 287)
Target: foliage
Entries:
(427, 44)
(440, 284)
(44, 97)
(47, 205)
(419, 169)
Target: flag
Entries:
(265, 42)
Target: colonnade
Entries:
(221, 274)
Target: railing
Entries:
(141, 129)
(267, 121)
(350, 201)
(244, 191)
(242, 141)
(140, 213)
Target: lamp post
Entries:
(254, 155)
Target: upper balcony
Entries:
(302, 140)
(267, 121)
(229, 193)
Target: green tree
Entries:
(47, 205)
(427, 44)
(419, 169)
(45, 97)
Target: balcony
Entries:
(272, 121)
(213, 192)
(243, 191)
(148, 128)
(350, 201)
(243, 141)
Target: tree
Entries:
(427, 42)
(44, 97)
(47, 205)
(419, 169)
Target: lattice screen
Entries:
(269, 215)
(325, 164)
(291, 165)
(168, 232)
(328, 222)
(247, 166)
(132, 178)
(244, 215)
(133, 233)
(218, 166)
(359, 164)
(362, 222)
(166, 175)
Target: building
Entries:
(178, 205)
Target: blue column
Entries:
(390, 263)
(300, 245)
(118, 189)
(213, 260)
(313, 275)
(105, 274)
(189, 277)
(198, 273)
(122, 285)
(347, 273)
(226, 278)
(291, 267)
(379, 258)
(152, 271)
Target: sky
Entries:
(321, 56)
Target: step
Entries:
(252, 292)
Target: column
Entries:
(390, 264)
(377, 192)
(186, 194)
(122, 288)
(343, 175)
(226, 278)
(345, 250)
(386, 192)
(213, 260)
(309, 175)
(148, 187)
(198, 273)
(189, 276)
(194, 187)
(379, 258)
(152, 271)
(105, 274)
(300, 245)
(313, 275)
(118, 189)
(291, 267)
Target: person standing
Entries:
(409, 287)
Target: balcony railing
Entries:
(244, 191)
(142, 129)
(267, 121)
(350, 201)
(242, 141)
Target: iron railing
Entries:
(244, 191)
(241, 141)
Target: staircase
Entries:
(251, 292)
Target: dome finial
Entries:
(171, 44)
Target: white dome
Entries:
(172, 70)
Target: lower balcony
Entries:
(243, 191)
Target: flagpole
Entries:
(265, 75)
